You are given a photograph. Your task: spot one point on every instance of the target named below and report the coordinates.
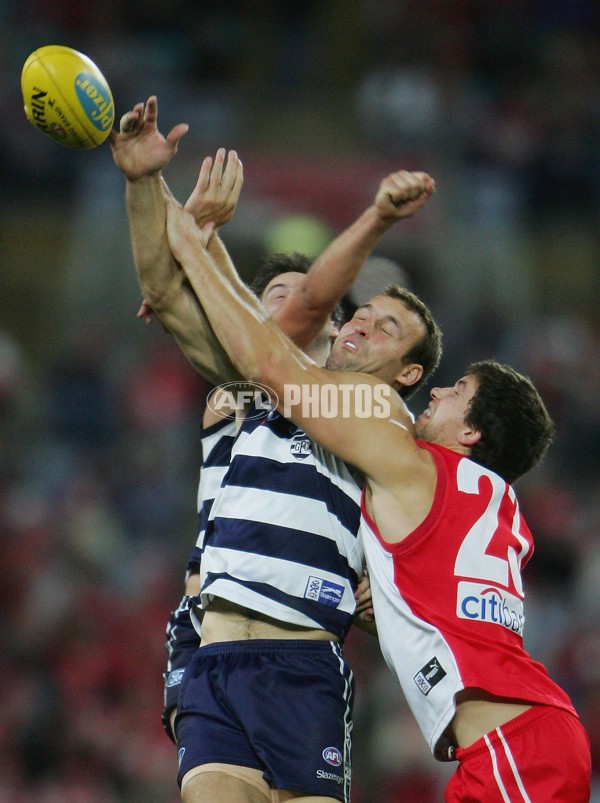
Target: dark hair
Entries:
(275, 265)
(516, 429)
(427, 351)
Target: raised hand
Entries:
(138, 148)
(402, 194)
(186, 238)
(217, 191)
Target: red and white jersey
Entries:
(448, 598)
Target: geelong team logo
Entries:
(225, 399)
(300, 447)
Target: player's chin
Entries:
(421, 423)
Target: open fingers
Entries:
(177, 133)
(202, 185)
(216, 173)
(151, 111)
(231, 171)
(204, 175)
(131, 119)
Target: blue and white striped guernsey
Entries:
(282, 535)
(217, 442)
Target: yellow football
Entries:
(67, 97)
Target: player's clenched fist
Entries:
(403, 193)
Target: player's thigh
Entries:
(282, 796)
(224, 783)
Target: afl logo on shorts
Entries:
(332, 756)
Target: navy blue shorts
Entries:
(280, 706)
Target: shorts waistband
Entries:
(271, 645)
(513, 726)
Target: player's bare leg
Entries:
(223, 783)
(281, 796)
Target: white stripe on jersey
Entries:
(288, 577)
(210, 482)
(284, 511)
(263, 442)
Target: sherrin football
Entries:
(67, 97)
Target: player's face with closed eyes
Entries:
(377, 338)
(279, 288)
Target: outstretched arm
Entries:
(309, 305)
(141, 152)
(330, 277)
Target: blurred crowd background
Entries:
(99, 452)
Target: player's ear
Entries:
(468, 436)
(407, 376)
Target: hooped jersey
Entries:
(282, 535)
(217, 442)
(448, 598)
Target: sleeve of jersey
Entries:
(182, 642)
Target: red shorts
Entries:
(541, 756)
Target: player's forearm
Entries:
(182, 315)
(163, 282)
(155, 266)
(231, 307)
(334, 271)
(331, 277)
(220, 255)
(400, 195)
